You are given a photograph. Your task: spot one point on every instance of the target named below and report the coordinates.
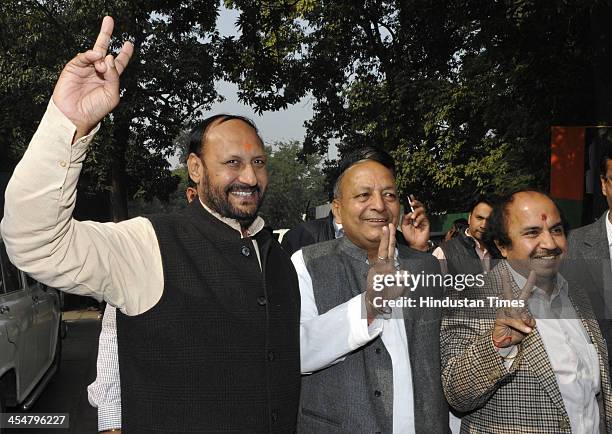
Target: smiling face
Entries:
(538, 241)
(367, 202)
(231, 173)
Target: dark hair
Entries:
(497, 224)
(603, 161)
(362, 154)
(197, 136)
(481, 198)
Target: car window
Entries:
(10, 273)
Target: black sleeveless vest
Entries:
(461, 256)
(220, 351)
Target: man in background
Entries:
(467, 253)
(589, 255)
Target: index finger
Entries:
(528, 288)
(391, 249)
(506, 287)
(383, 246)
(104, 37)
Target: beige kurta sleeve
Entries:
(117, 262)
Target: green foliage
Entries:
(169, 82)
(294, 185)
(176, 200)
(464, 93)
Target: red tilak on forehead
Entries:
(248, 147)
(543, 217)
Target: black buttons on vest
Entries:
(270, 355)
(378, 350)
(261, 300)
(245, 251)
(377, 393)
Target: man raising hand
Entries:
(88, 87)
(208, 303)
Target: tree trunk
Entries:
(118, 193)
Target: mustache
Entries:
(237, 186)
(554, 252)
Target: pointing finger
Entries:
(104, 37)
(528, 288)
(391, 250)
(383, 246)
(507, 289)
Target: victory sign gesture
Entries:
(88, 87)
(513, 324)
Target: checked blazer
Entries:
(524, 398)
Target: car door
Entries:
(46, 321)
(18, 313)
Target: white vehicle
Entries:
(30, 335)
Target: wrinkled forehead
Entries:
(533, 210)
(482, 209)
(367, 174)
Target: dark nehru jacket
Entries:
(220, 350)
(461, 256)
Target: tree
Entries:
(169, 82)
(294, 185)
(463, 93)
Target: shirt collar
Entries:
(338, 230)
(480, 247)
(255, 227)
(560, 286)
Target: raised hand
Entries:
(383, 265)
(88, 87)
(512, 324)
(415, 226)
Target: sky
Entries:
(282, 125)
(274, 126)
